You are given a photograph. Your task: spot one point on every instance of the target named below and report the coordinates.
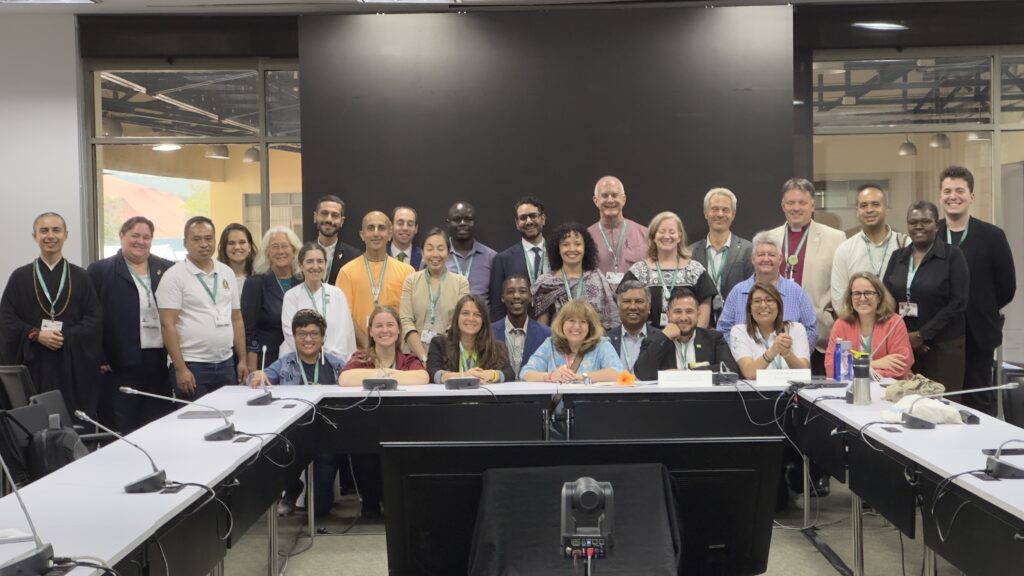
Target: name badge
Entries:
(426, 336)
(908, 309)
(223, 318)
(663, 320)
(150, 318)
(782, 377)
(614, 278)
(717, 303)
(52, 325)
(684, 378)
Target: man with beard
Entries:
(528, 257)
(404, 221)
(468, 257)
(329, 217)
(634, 307)
(521, 334)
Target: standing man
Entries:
(401, 246)
(467, 256)
(993, 279)
(528, 257)
(870, 249)
(329, 217)
(521, 334)
(201, 316)
(375, 279)
(51, 320)
(634, 308)
(620, 242)
(724, 255)
(807, 249)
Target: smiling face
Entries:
(199, 242)
(313, 265)
(683, 313)
(576, 330)
(137, 242)
(308, 340)
(461, 221)
(955, 196)
(609, 197)
(798, 206)
(376, 231)
(516, 296)
(435, 253)
(719, 213)
(280, 251)
(766, 260)
(634, 307)
(238, 247)
(871, 209)
(530, 222)
(470, 319)
(384, 329)
(405, 227)
(329, 217)
(668, 236)
(571, 248)
(921, 227)
(864, 297)
(763, 307)
(50, 233)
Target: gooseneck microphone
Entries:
(263, 398)
(225, 432)
(37, 560)
(911, 421)
(153, 482)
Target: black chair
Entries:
(16, 387)
(53, 403)
(16, 429)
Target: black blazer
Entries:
(940, 290)
(119, 299)
(993, 280)
(616, 335)
(738, 264)
(343, 254)
(261, 311)
(508, 262)
(437, 360)
(659, 353)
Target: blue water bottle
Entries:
(837, 360)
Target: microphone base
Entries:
(32, 563)
(911, 421)
(262, 400)
(225, 432)
(1002, 469)
(154, 482)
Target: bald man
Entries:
(467, 256)
(620, 242)
(374, 278)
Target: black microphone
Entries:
(225, 432)
(37, 560)
(153, 482)
(911, 421)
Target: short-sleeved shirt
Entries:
(355, 283)
(634, 247)
(743, 346)
(205, 332)
(693, 276)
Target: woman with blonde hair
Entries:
(276, 270)
(869, 320)
(576, 350)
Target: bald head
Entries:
(35, 222)
(610, 198)
(375, 232)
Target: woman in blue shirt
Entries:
(576, 350)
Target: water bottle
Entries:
(847, 360)
(837, 360)
(861, 386)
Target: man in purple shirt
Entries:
(467, 256)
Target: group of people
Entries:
(576, 304)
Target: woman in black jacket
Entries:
(277, 268)
(469, 349)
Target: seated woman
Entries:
(869, 320)
(469, 350)
(576, 350)
(429, 296)
(382, 358)
(574, 275)
(766, 341)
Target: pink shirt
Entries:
(897, 342)
(634, 246)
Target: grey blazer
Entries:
(738, 266)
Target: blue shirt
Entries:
(287, 371)
(546, 359)
(478, 265)
(796, 307)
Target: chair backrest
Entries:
(15, 387)
(53, 403)
(16, 429)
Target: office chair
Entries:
(53, 403)
(15, 387)
(16, 429)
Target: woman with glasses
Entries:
(277, 269)
(429, 296)
(469, 349)
(236, 250)
(574, 276)
(766, 341)
(869, 320)
(576, 351)
(327, 300)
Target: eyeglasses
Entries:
(763, 302)
(865, 295)
(528, 217)
(278, 247)
(308, 335)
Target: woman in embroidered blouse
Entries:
(469, 349)
(429, 296)
(576, 350)
(766, 341)
(326, 299)
(869, 320)
(382, 358)
(668, 265)
(574, 275)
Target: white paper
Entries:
(684, 378)
(782, 377)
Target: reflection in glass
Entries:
(283, 103)
(286, 186)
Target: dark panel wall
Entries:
(425, 109)
(188, 36)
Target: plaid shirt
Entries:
(796, 307)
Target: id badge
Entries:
(52, 325)
(908, 309)
(426, 336)
(150, 318)
(717, 303)
(614, 278)
(222, 318)
(663, 321)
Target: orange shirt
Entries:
(358, 287)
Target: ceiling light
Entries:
(907, 148)
(217, 152)
(849, 100)
(167, 147)
(111, 128)
(939, 140)
(251, 155)
(978, 137)
(880, 26)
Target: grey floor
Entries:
(363, 551)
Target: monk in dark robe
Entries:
(50, 320)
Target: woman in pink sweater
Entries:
(869, 320)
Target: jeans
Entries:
(210, 376)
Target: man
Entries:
(807, 249)
(797, 306)
(52, 322)
(375, 278)
(620, 242)
(681, 345)
(329, 217)
(634, 308)
(201, 316)
(467, 256)
(526, 257)
(521, 334)
(401, 247)
(724, 255)
(870, 249)
(993, 279)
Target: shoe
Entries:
(820, 486)
(285, 507)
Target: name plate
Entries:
(782, 377)
(684, 378)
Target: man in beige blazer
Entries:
(807, 251)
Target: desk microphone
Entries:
(911, 421)
(153, 482)
(37, 560)
(225, 432)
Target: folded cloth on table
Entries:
(917, 385)
(928, 409)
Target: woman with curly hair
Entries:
(574, 276)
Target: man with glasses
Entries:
(524, 258)
(328, 218)
(723, 254)
(401, 247)
(620, 242)
(467, 256)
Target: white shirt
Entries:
(853, 256)
(629, 346)
(515, 341)
(716, 259)
(395, 251)
(743, 346)
(528, 249)
(340, 339)
(205, 332)
(150, 335)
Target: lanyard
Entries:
(666, 291)
(870, 248)
(793, 259)
(434, 297)
(375, 288)
(284, 284)
(529, 262)
(777, 362)
(302, 371)
(515, 352)
(466, 361)
(212, 294)
(46, 291)
(683, 355)
(625, 353)
(949, 233)
(455, 258)
(865, 343)
(323, 299)
(615, 251)
(568, 291)
(913, 268)
(142, 282)
(716, 277)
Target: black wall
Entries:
(425, 109)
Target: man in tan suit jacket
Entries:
(807, 251)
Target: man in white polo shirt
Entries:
(200, 315)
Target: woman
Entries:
(576, 350)
(869, 320)
(929, 281)
(766, 341)
(429, 296)
(469, 348)
(133, 345)
(277, 269)
(667, 266)
(236, 250)
(574, 275)
(329, 301)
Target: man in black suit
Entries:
(329, 217)
(725, 255)
(526, 257)
(681, 344)
(993, 280)
(634, 307)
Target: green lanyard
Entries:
(913, 268)
(284, 285)
(777, 362)
(212, 294)
(141, 282)
(374, 288)
(529, 262)
(682, 354)
(666, 291)
(793, 259)
(455, 258)
(949, 233)
(466, 361)
(616, 251)
(434, 297)
(46, 291)
(323, 299)
(716, 276)
(865, 343)
(625, 353)
(568, 291)
(870, 248)
(302, 371)
(515, 353)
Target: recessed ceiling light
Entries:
(880, 26)
(167, 147)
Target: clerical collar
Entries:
(799, 229)
(55, 264)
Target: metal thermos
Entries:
(861, 386)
